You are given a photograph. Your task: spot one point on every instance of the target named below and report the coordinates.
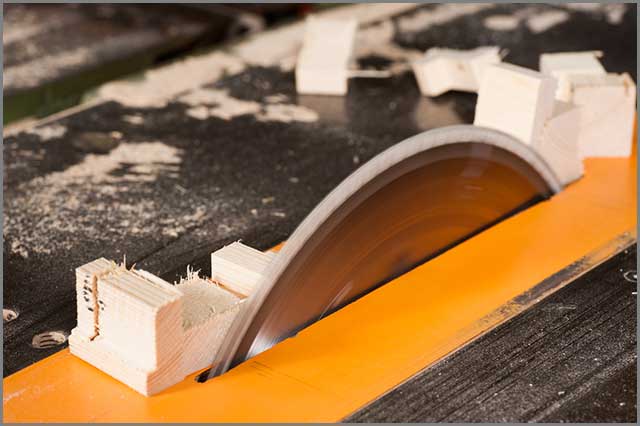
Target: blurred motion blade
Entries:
(405, 206)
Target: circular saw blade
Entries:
(405, 206)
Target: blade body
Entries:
(405, 206)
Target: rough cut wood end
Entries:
(606, 102)
(442, 70)
(559, 143)
(322, 66)
(566, 65)
(522, 103)
(608, 110)
(515, 100)
(239, 267)
(150, 334)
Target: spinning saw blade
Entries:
(405, 206)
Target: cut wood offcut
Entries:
(442, 70)
(521, 102)
(239, 268)
(323, 63)
(566, 65)
(150, 334)
(516, 100)
(558, 144)
(607, 102)
(608, 109)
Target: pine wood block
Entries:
(515, 100)
(322, 66)
(239, 267)
(559, 143)
(211, 310)
(147, 333)
(141, 317)
(101, 355)
(566, 65)
(608, 107)
(442, 70)
(86, 290)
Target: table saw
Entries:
(523, 310)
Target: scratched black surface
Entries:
(235, 179)
(570, 358)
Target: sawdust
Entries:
(378, 40)
(15, 32)
(540, 21)
(9, 396)
(146, 160)
(46, 67)
(287, 113)
(537, 21)
(133, 119)
(501, 22)
(157, 86)
(173, 227)
(31, 73)
(22, 22)
(276, 99)
(219, 104)
(17, 248)
(207, 103)
(613, 12)
(543, 21)
(441, 14)
(74, 201)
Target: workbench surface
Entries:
(169, 168)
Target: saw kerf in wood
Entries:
(150, 334)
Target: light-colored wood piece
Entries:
(515, 100)
(211, 310)
(86, 289)
(238, 267)
(559, 143)
(140, 317)
(608, 108)
(442, 70)
(322, 66)
(566, 65)
(606, 102)
(522, 103)
(147, 333)
(138, 326)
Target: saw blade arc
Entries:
(403, 207)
